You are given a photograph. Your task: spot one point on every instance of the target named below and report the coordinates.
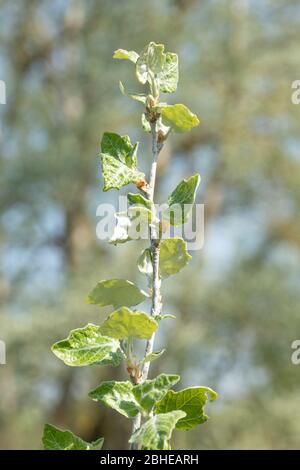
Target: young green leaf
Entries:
(150, 61)
(141, 97)
(173, 256)
(191, 401)
(152, 357)
(119, 147)
(156, 433)
(139, 200)
(56, 439)
(117, 395)
(119, 161)
(116, 292)
(181, 200)
(124, 323)
(116, 174)
(151, 391)
(126, 55)
(168, 77)
(132, 225)
(179, 117)
(159, 318)
(144, 264)
(86, 346)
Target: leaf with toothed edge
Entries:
(191, 401)
(87, 346)
(156, 433)
(57, 439)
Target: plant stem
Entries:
(156, 282)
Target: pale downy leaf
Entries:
(151, 391)
(126, 55)
(86, 346)
(191, 401)
(152, 356)
(132, 225)
(57, 439)
(156, 433)
(116, 292)
(125, 323)
(173, 256)
(181, 200)
(179, 117)
(119, 161)
(141, 97)
(117, 395)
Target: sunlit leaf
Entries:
(191, 401)
(144, 263)
(119, 161)
(173, 256)
(116, 292)
(117, 395)
(151, 391)
(86, 346)
(179, 117)
(132, 225)
(126, 55)
(150, 61)
(152, 356)
(168, 77)
(57, 439)
(142, 98)
(181, 200)
(139, 200)
(156, 433)
(124, 323)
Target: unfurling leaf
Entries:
(139, 200)
(132, 225)
(125, 323)
(116, 292)
(191, 401)
(134, 96)
(145, 264)
(57, 439)
(158, 68)
(173, 256)
(126, 55)
(119, 161)
(168, 78)
(181, 200)
(151, 391)
(117, 395)
(150, 62)
(86, 346)
(179, 117)
(152, 356)
(158, 318)
(156, 433)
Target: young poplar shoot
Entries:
(153, 407)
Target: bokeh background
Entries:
(237, 304)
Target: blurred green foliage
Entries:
(239, 311)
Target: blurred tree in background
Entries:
(238, 315)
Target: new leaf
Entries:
(86, 346)
(191, 401)
(56, 439)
